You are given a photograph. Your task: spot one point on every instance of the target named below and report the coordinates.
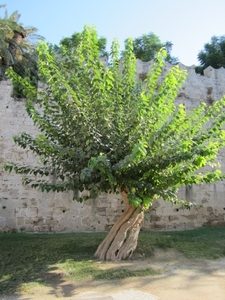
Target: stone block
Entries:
(49, 220)
(33, 202)
(201, 219)
(154, 218)
(10, 222)
(45, 228)
(107, 227)
(14, 193)
(29, 221)
(202, 210)
(101, 211)
(58, 211)
(20, 221)
(190, 225)
(32, 212)
(159, 226)
(191, 217)
(209, 209)
(111, 219)
(85, 221)
(111, 211)
(174, 217)
(6, 212)
(2, 223)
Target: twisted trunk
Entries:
(121, 240)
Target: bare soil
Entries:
(179, 279)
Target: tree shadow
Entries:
(33, 260)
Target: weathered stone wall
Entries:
(22, 208)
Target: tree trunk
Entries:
(16, 40)
(121, 240)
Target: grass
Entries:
(29, 260)
(202, 243)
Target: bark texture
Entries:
(121, 240)
(16, 40)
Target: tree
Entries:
(73, 42)
(101, 131)
(147, 46)
(213, 54)
(17, 47)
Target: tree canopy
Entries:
(18, 47)
(73, 42)
(148, 45)
(212, 55)
(102, 131)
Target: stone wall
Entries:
(25, 209)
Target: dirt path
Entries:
(180, 279)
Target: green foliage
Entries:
(102, 131)
(148, 45)
(18, 49)
(213, 54)
(76, 38)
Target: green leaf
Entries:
(134, 200)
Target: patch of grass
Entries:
(29, 286)
(80, 270)
(121, 273)
(28, 259)
(83, 270)
(31, 257)
(201, 243)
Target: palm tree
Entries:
(17, 45)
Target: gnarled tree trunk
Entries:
(121, 240)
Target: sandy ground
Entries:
(179, 278)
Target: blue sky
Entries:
(188, 24)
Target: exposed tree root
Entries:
(121, 240)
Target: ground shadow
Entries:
(33, 260)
